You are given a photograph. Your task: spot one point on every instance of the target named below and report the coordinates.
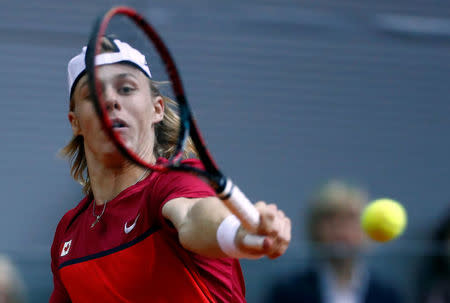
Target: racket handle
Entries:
(240, 206)
(255, 242)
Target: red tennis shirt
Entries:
(133, 255)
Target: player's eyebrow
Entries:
(84, 81)
(125, 75)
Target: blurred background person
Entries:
(435, 281)
(337, 273)
(12, 289)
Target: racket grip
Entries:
(255, 242)
(240, 206)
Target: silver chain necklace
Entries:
(98, 217)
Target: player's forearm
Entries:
(204, 223)
(198, 231)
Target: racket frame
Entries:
(230, 194)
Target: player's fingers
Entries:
(273, 247)
(286, 239)
(264, 208)
(281, 242)
(259, 204)
(273, 226)
(276, 226)
(278, 235)
(269, 219)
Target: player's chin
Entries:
(125, 135)
(127, 140)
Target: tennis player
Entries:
(138, 235)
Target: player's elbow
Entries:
(185, 236)
(200, 238)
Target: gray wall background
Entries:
(288, 93)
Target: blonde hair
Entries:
(166, 135)
(333, 197)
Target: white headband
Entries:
(124, 53)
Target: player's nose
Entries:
(111, 98)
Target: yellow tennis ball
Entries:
(384, 219)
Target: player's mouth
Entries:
(118, 124)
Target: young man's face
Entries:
(130, 106)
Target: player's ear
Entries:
(158, 109)
(74, 123)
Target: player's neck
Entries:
(108, 182)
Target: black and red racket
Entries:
(132, 28)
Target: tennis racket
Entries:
(132, 28)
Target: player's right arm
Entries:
(197, 222)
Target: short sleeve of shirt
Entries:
(59, 293)
(174, 184)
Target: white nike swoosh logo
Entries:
(128, 229)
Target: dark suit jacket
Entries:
(305, 288)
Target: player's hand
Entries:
(275, 226)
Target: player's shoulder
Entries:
(189, 161)
(193, 162)
(71, 214)
(170, 175)
(64, 224)
(174, 184)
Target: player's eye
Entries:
(126, 89)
